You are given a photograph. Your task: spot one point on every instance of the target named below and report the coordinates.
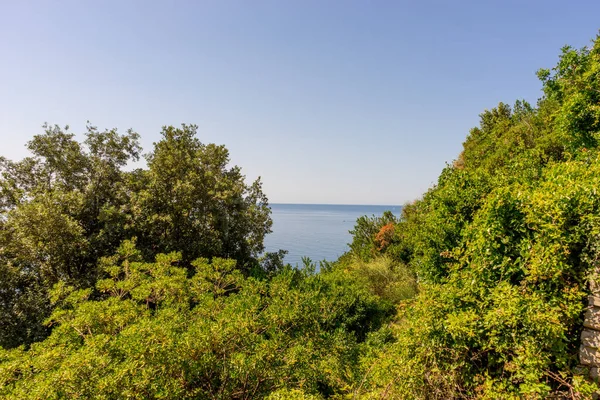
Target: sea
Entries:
(317, 231)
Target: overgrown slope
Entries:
(503, 247)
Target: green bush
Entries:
(158, 333)
(503, 247)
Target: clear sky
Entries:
(343, 102)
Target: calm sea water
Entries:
(318, 231)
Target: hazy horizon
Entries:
(333, 204)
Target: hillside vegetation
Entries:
(149, 284)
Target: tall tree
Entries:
(192, 201)
(71, 203)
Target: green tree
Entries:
(364, 234)
(189, 200)
(53, 220)
(71, 203)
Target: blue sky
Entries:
(343, 102)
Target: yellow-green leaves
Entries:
(157, 330)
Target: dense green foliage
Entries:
(158, 333)
(71, 203)
(476, 291)
(503, 247)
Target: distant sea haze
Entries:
(317, 231)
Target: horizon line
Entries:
(335, 204)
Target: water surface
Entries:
(318, 231)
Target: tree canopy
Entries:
(70, 204)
